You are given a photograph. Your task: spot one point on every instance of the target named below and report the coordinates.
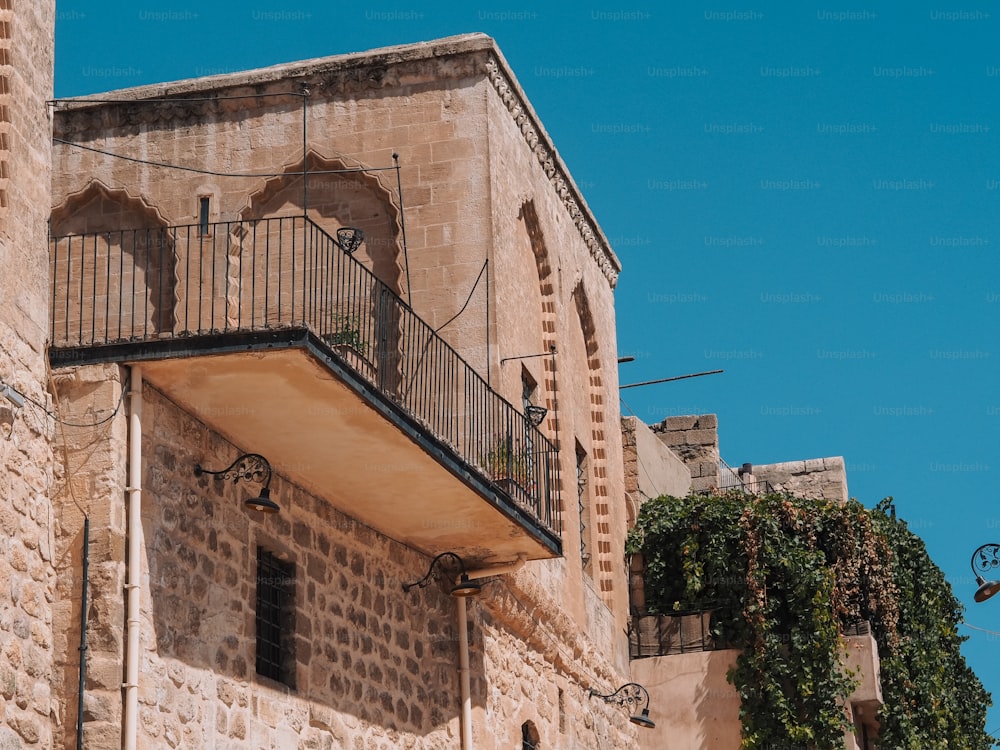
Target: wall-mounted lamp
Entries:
(251, 467)
(985, 559)
(11, 395)
(630, 694)
(535, 414)
(465, 586)
(349, 239)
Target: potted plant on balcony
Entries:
(345, 330)
(344, 337)
(506, 466)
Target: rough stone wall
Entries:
(27, 579)
(468, 169)
(651, 469)
(814, 477)
(375, 667)
(92, 461)
(526, 688)
(695, 440)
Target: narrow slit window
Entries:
(204, 204)
(275, 618)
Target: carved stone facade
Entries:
(471, 221)
(471, 218)
(28, 563)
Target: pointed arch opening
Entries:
(599, 512)
(124, 267)
(338, 194)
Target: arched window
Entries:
(529, 736)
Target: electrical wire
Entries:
(45, 410)
(173, 99)
(981, 630)
(467, 299)
(211, 172)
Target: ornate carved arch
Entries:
(73, 217)
(600, 497)
(339, 193)
(121, 251)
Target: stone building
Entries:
(296, 358)
(674, 656)
(409, 393)
(27, 560)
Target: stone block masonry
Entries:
(369, 666)
(695, 440)
(816, 477)
(372, 665)
(27, 574)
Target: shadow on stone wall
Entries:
(369, 658)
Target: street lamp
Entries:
(629, 695)
(465, 587)
(250, 467)
(985, 559)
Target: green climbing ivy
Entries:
(785, 576)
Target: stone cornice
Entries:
(540, 144)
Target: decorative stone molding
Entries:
(539, 145)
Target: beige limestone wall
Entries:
(816, 477)
(428, 111)
(692, 703)
(532, 678)
(375, 667)
(92, 460)
(480, 182)
(27, 580)
(695, 440)
(550, 289)
(651, 469)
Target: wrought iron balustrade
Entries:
(731, 480)
(141, 285)
(676, 633)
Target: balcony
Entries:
(278, 339)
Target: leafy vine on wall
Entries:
(785, 577)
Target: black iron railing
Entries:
(676, 633)
(731, 480)
(179, 282)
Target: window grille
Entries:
(275, 618)
(582, 504)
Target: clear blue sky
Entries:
(808, 199)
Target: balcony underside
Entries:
(286, 395)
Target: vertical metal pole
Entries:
(83, 633)
(465, 686)
(488, 364)
(305, 153)
(130, 724)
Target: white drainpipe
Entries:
(463, 647)
(134, 489)
(463, 674)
